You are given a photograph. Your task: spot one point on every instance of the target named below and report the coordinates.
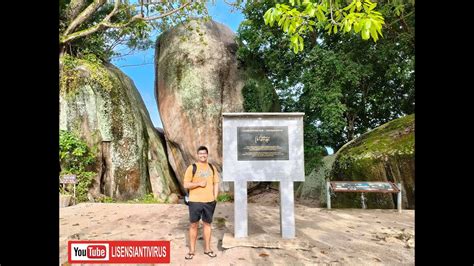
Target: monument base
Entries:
(264, 240)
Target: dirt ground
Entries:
(335, 237)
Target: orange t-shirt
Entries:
(203, 172)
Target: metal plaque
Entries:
(262, 143)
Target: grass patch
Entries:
(148, 198)
(224, 198)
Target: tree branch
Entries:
(73, 9)
(142, 64)
(407, 15)
(113, 12)
(84, 15)
(119, 40)
(105, 23)
(235, 5)
(79, 34)
(168, 13)
(405, 23)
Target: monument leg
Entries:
(399, 198)
(240, 209)
(287, 209)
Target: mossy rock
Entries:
(102, 106)
(385, 154)
(314, 186)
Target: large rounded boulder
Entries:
(197, 79)
(101, 104)
(387, 154)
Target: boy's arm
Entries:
(216, 184)
(192, 185)
(216, 190)
(188, 176)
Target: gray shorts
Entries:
(201, 210)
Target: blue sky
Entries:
(140, 68)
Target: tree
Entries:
(344, 84)
(301, 17)
(98, 26)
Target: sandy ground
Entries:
(335, 237)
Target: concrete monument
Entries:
(263, 147)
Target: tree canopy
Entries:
(344, 84)
(303, 16)
(99, 26)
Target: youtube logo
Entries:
(93, 251)
(89, 252)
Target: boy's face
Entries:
(202, 156)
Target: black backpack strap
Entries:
(212, 167)
(194, 172)
(194, 169)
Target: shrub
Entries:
(76, 158)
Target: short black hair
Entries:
(202, 148)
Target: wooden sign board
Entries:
(68, 179)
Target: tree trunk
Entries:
(62, 49)
(83, 16)
(350, 126)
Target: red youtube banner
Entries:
(83, 251)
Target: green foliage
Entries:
(107, 199)
(74, 154)
(125, 28)
(76, 158)
(64, 189)
(259, 95)
(71, 76)
(345, 85)
(301, 17)
(224, 197)
(147, 198)
(313, 153)
(85, 179)
(95, 43)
